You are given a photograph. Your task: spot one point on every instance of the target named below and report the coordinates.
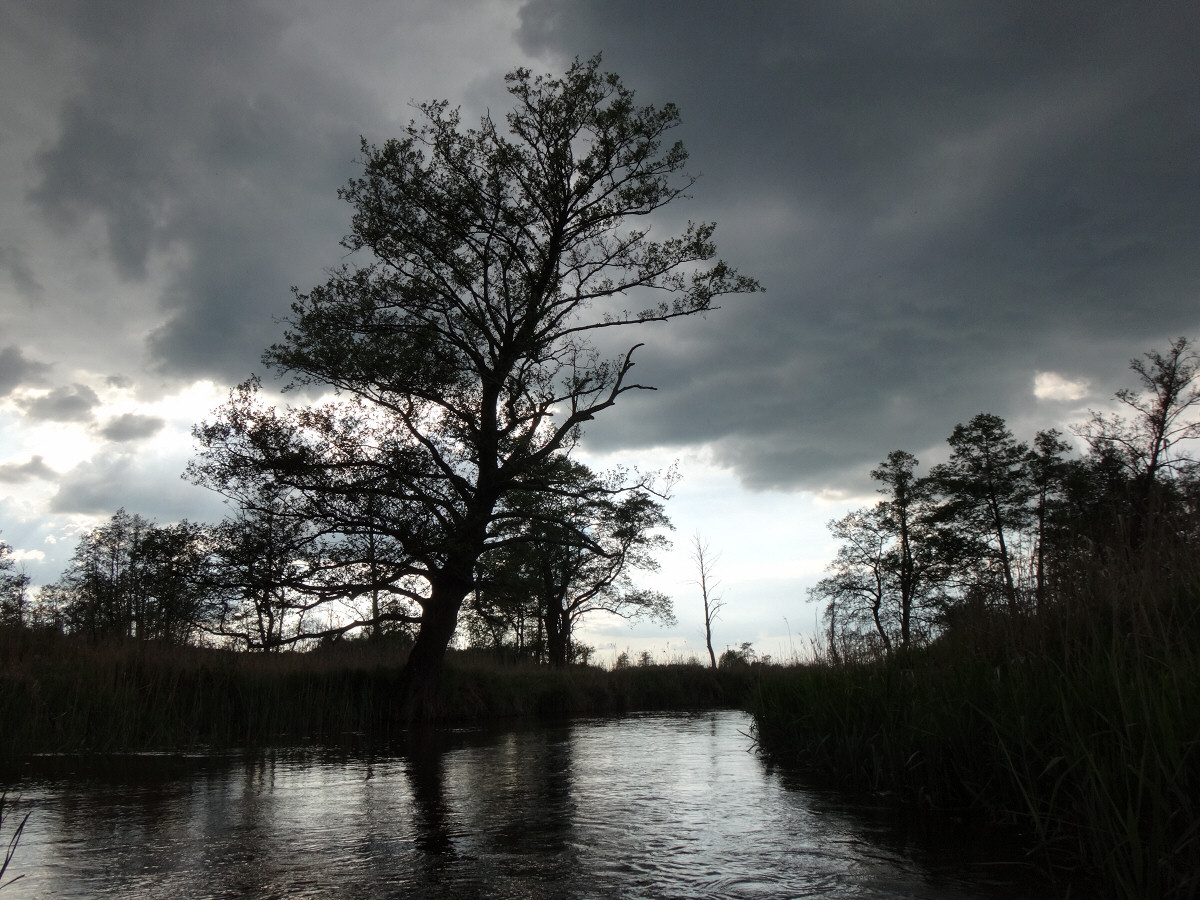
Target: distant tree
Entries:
(919, 553)
(277, 581)
(1163, 415)
(892, 563)
(741, 657)
(14, 587)
(132, 578)
(1048, 473)
(572, 554)
(259, 568)
(706, 562)
(1136, 489)
(986, 488)
(460, 346)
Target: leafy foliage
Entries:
(133, 578)
(1001, 523)
(458, 338)
(13, 589)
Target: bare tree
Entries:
(1163, 415)
(706, 561)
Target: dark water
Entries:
(644, 806)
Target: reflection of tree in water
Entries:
(424, 752)
(492, 812)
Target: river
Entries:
(672, 805)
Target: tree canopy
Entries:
(1001, 523)
(457, 337)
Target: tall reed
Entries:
(62, 694)
(10, 848)
(1081, 723)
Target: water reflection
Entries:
(647, 806)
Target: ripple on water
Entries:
(642, 806)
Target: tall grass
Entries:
(1081, 723)
(62, 694)
(10, 846)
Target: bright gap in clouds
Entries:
(61, 478)
(1052, 386)
(769, 547)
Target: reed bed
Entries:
(1081, 724)
(60, 694)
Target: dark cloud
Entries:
(13, 262)
(14, 473)
(132, 427)
(195, 134)
(16, 370)
(941, 200)
(96, 487)
(72, 403)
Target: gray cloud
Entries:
(16, 370)
(19, 272)
(97, 487)
(941, 200)
(14, 473)
(196, 132)
(148, 485)
(72, 403)
(132, 427)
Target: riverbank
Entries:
(60, 694)
(1078, 724)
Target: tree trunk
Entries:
(557, 635)
(439, 618)
(712, 657)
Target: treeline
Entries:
(264, 580)
(1017, 634)
(1007, 526)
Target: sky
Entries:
(953, 208)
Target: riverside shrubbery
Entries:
(65, 693)
(1079, 724)
(1023, 639)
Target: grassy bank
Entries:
(1081, 724)
(61, 694)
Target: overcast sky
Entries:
(953, 208)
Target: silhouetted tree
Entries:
(1163, 415)
(461, 343)
(14, 588)
(856, 590)
(919, 553)
(986, 489)
(572, 554)
(133, 578)
(706, 562)
(1146, 444)
(278, 580)
(1048, 472)
(893, 563)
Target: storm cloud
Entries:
(943, 201)
(17, 370)
(953, 208)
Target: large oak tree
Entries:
(457, 337)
